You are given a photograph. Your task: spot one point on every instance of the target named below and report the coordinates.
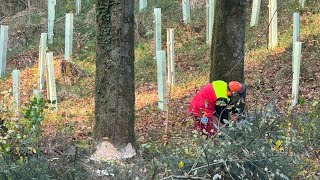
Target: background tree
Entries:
(227, 48)
(114, 103)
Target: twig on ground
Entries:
(183, 177)
(225, 163)
(166, 136)
(211, 164)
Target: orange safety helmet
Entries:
(234, 86)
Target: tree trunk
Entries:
(114, 103)
(227, 49)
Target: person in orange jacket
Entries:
(212, 105)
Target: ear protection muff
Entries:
(229, 93)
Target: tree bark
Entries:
(227, 48)
(115, 97)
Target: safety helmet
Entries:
(234, 86)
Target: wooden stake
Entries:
(170, 56)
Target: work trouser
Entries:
(209, 127)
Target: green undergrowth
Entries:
(25, 30)
(256, 37)
(22, 151)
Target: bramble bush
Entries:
(22, 133)
(266, 145)
(245, 150)
(305, 139)
(21, 145)
(19, 137)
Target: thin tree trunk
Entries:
(114, 103)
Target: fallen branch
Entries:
(184, 177)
